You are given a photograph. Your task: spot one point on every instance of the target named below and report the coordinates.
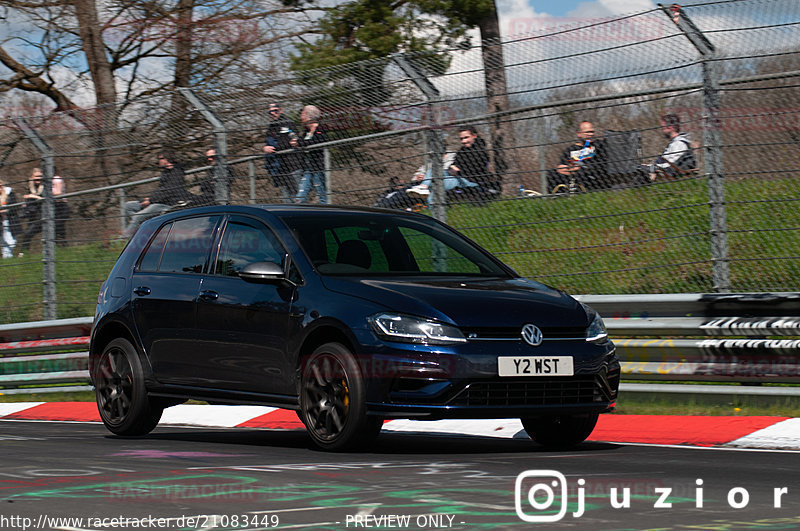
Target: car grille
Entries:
(538, 392)
(505, 332)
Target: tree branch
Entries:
(30, 81)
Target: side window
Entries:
(188, 245)
(246, 241)
(152, 256)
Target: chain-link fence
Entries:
(617, 222)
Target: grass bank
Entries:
(653, 239)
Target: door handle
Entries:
(209, 295)
(142, 291)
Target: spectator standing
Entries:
(171, 192)
(313, 159)
(9, 220)
(285, 168)
(678, 157)
(472, 162)
(208, 186)
(583, 163)
(33, 209)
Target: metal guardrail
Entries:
(745, 338)
(26, 365)
(723, 338)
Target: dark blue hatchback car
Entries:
(348, 316)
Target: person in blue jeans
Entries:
(424, 190)
(313, 159)
(283, 164)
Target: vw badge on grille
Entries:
(532, 335)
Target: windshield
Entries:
(371, 244)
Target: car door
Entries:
(165, 285)
(243, 326)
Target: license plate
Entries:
(535, 366)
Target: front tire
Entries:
(332, 400)
(121, 395)
(562, 431)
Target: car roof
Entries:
(284, 209)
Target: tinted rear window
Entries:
(152, 256)
(186, 244)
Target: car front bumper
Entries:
(462, 381)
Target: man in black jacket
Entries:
(583, 164)
(171, 192)
(285, 168)
(471, 164)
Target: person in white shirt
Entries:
(678, 157)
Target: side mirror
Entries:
(262, 272)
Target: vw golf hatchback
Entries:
(349, 316)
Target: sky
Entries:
(526, 16)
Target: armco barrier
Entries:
(749, 338)
(731, 338)
(34, 357)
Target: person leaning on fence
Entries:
(285, 168)
(208, 186)
(171, 192)
(583, 164)
(9, 220)
(472, 164)
(678, 157)
(313, 159)
(33, 209)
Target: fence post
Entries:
(48, 220)
(433, 136)
(123, 217)
(712, 145)
(222, 183)
(541, 132)
(251, 173)
(326, 153)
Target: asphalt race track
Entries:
(246, 478)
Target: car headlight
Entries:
(596, 332)
(407, 329)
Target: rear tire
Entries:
(121, 395)
(333, 400)
(562, 431)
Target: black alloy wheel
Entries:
(332, 400)
(121, 394)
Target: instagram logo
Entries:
(543, 495)
(542, 491)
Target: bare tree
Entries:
(123, 49)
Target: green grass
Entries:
(654, 239)
(80, 270)
(80, 396)
(646, 240)
(637, 403)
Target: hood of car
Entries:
(469, 302)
